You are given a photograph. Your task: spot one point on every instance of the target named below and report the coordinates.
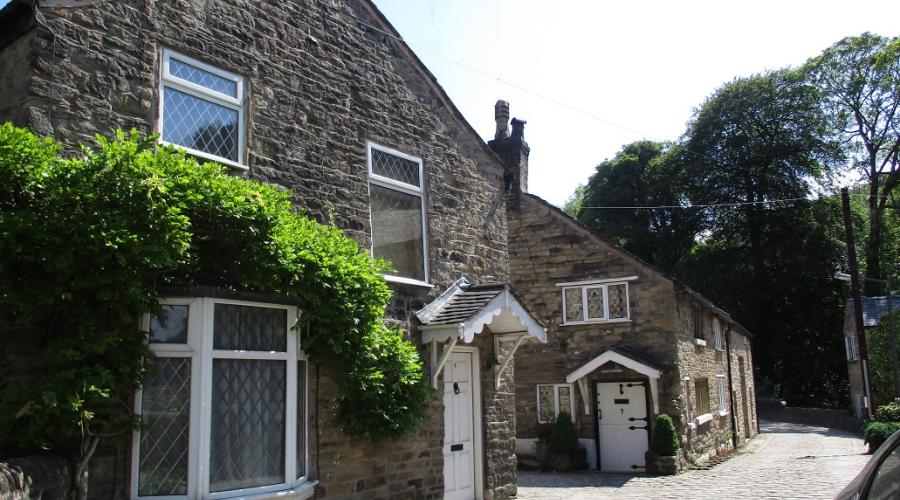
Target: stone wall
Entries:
(322, 78)
(15, 71)
(701, 360)
(547, 247)
(743, 386)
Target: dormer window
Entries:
(598, 301)
(202, 109)
(397, 205)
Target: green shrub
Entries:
(888, 413)
(666, 441)
(876, 433)
(86, 241)
(563, 435)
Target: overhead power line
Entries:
(711, 205)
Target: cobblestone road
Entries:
(785, 461)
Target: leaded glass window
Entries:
(595, 302)
(230, 390)
(618, 301)
(202, 109)
(553, 399)
(165, 416)
(397, 205)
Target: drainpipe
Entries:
(734, 428)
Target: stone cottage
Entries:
(322, 97)
(873, 311)
(624, 342)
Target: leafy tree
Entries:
(573, 203)
(755, 140)
(642, 174)
(859, 79)
(880, 347)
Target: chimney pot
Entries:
(501, 116)
(518, 128)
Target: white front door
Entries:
(622, 426)
(459, 435)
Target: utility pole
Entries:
(857, 301)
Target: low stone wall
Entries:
(36, 477)
(838, 419)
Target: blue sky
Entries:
(591, 76)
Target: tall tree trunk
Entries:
(80, 477)
(873, 243)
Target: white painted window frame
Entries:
(584, 287)
(851, 348)
(199, 348)
(718, 336)
(403, 187)
(720, 383)
(236, 103)
(556, 408)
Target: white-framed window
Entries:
(720, 382)
(718, 336)
(201, 109)
(851, 348)
(397, 209)
(595, 302)
(859, 405)
(554, 398)
(224, 409)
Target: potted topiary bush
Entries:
(663, 455)
(563, 444)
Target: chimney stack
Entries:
(511, 148)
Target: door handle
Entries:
(455, 388)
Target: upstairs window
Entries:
(595, 302)
(202, 109)
(397, 205)
(718, 336)
(553, 399)
(697, 320)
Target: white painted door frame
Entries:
(477, 417)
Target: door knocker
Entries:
(455, 388)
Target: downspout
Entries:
(734, 427)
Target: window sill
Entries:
(723, 413)
(597, 322)
(407, 281)
(699, 342)
(206, 157)
(300, 492)
(702, 419)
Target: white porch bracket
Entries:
(504, 363)
(438, 366)
(583, 388)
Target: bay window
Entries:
(224, 408)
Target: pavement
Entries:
(783, 461)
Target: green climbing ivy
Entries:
(87, 240)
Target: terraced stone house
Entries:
(624, 341)
(324, 98)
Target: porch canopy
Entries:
(623, 357)
(465, 309)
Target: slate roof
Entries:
(464, 300)
(874, 308)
